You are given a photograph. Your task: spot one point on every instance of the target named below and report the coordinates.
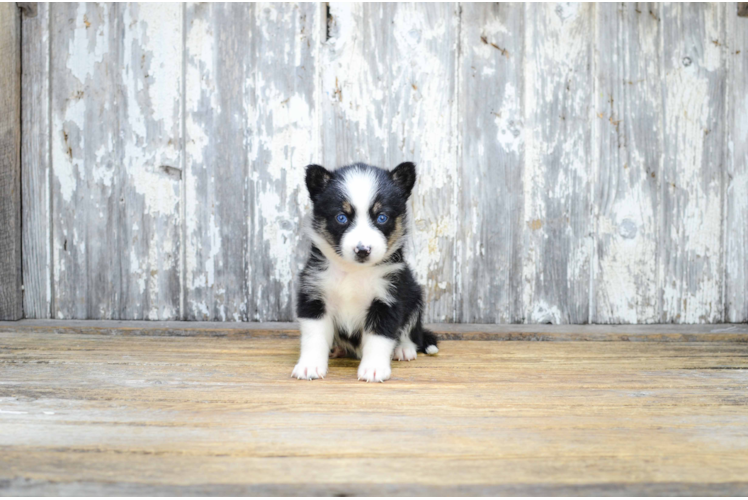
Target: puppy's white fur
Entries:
(361, 188)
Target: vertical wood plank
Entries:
(219, 88)
(736, 188)
(11, 295)
(115, 154)
(388, 95)
(150, 119)
(490, 221)
(557, 101)
(86, 195)
(282, 119)
(691, 185)
(35, 166)
(629, 150)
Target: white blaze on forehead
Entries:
(361, 188)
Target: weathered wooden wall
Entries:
(11, 297)
(578, 162)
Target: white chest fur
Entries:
(348, 292)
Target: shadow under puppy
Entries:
(356, 293)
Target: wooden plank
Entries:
(36, 165)
(218, 86)
(691, 183)
(445, 331)
(736, 181)
(11, 292)
(557, 175)
(115, 150)
(86, 192)
(149, 160)
(491, 85)
(106, 414)
(629, 147)
(388, 92)
(282, 117)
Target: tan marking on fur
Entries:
(377, 206)
(347, 208)
(319, 227)
(397, 233)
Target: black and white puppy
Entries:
(356, 292)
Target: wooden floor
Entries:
(84, 414)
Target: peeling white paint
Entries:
(386, 93)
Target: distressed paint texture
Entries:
(388, 95)
(577, 162)
(217, 87)
(115, 148)
(250, 129)
(691, 184)
(558, 104)
(283, 124)
(490, 225)
(628, 147)
(86, 208)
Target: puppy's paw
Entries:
(404, 353)
(374, 372)
(306, 370)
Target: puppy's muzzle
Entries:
(362, 252)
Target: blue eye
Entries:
(382, 219)
(341, 218)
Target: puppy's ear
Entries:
(317, 178)
(404, 175)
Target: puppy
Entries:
(356, 293)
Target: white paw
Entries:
(374, 372)
(305, 370)
(432, 349)
(405, 353)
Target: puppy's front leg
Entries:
(316, 341)
(375, 358)
(378, 342)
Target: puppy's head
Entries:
(360, 210)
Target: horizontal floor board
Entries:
(115, 414)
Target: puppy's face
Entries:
(360, 210)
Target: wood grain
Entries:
(629, 147)
(577, 162)
(557, 175)
(86, 192)
(115, 414)
(491, 106)
(388, 92)
(217, 86)
(285, 134)
(736, 180)
(36, 165)
(11, 294)
(149, 165)
(691, 183)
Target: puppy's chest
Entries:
(348, 296)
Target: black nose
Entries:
(362, 251)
